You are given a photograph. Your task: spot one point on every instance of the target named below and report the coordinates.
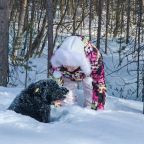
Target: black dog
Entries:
(35, 100)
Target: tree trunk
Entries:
(75, 7)
(50, 31)
(143, 88)
(4, 35)
(128, 21)
(117, 19)
(90, 18)
(19, 38)
(37, 41)
(107, 23)
(99, 23)
(139, 34)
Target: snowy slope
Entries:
(122, 122)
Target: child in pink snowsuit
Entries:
(79, 60)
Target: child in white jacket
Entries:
(79, 60)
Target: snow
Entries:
(121, 122)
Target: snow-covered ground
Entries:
(122, 122)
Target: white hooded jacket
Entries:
(71, 53)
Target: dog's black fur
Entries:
(35, 100)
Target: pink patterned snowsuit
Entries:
(93, 83)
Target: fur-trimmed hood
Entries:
(71, 53)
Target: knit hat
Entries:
(71, 53)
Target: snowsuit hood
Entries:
(71, 53)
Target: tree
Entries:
(90, 18)
(50, 30)
(143, 88)
(4, 34)
(128, 20)
(99, 23)
(107, 23)
(19, 38)
(139, 34)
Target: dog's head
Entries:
(47, 91)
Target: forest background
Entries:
(33, 28)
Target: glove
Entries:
(59, 81)
(101, 88)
